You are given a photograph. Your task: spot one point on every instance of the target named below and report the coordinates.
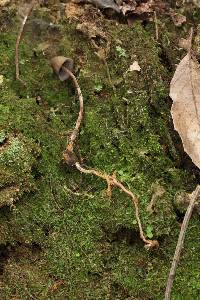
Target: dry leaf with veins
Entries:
(185, 93)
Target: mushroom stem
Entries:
(76, 130)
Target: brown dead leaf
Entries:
(185, 93)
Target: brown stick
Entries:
(19, 37)
(180, 242)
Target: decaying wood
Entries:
(180, 242)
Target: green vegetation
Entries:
(61, 237)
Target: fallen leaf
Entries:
(134, 67)
(185, 93)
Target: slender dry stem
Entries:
(190, 40)
(156, 25)
(19, 37)
(180, 242)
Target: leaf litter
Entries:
(185, 93)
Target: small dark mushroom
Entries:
(59, 63)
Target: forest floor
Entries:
(61, 237)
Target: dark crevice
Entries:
(164, 59)
(129, 235)
(36, 173)
(19, 251)
(4, 255)
(179, 215)
(47, 230)
(118, 290)
(4, 142)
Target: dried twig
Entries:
(156, 25)
(71, 159)
(180, 242)
(19, 37)
(190, 40)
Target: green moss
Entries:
(87, 241)
(17, 157)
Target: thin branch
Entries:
(180, 242)
(19, 37)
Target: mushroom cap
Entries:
(58, 62)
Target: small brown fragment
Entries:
(19, 37)
(70, 158)
(177, 18)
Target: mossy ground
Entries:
(61, 237)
